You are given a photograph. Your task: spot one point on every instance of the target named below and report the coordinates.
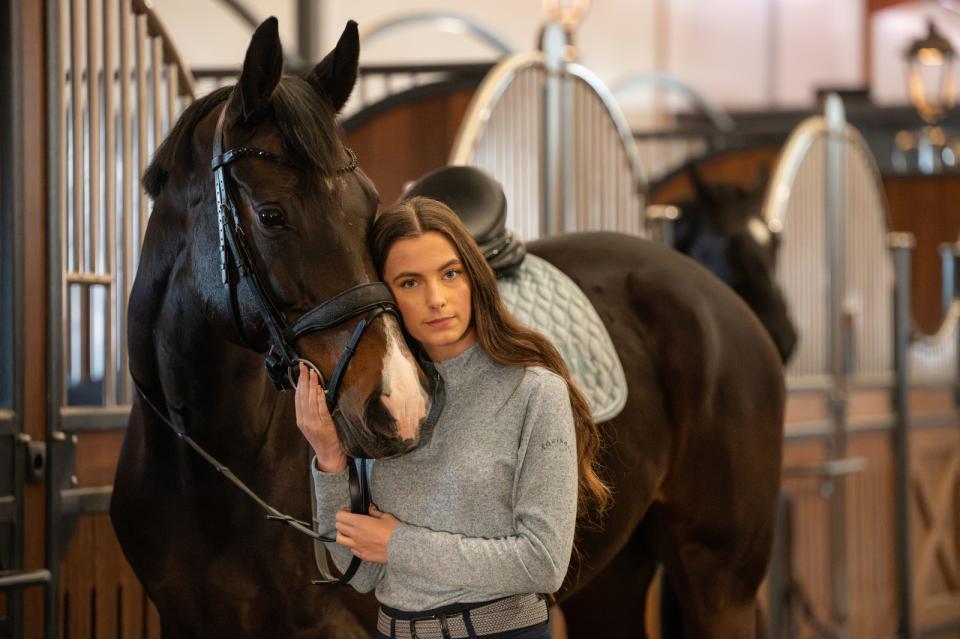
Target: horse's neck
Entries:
(215, 390)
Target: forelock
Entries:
(307, 126)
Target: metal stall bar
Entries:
(817, 157)
(156, 94)
(839, 339)
(170, 114)
(127, 182)
(140, 46)
(520, 75)
(555, 196)
(111, 36)
(77, 182)
(94, 264)
(901, 245)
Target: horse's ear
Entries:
(262, 68)
(336, 74)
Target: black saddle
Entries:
(477, 198)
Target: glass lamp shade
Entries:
(930, 75)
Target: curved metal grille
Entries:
(795, 203)
(592, 170)
(607, 187)
(802, 271)
(869, 266)
(510, 145)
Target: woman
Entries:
(480, 518)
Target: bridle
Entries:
(371, 300)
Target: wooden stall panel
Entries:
(810, 557)
(935, 526)
(870, 534)
(100, 596)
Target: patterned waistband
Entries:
(502, 615)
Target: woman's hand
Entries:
(316, 424)
(366, 536)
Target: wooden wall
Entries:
(928, 207)
(404, 144)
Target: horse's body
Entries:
(693, 458)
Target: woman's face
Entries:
(432, 290)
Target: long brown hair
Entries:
(505, 340)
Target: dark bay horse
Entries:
(208, 558)
(694, 457)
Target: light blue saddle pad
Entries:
(539, 295)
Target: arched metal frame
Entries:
(717, 116)
(867, 306)
(441, 20)
(377, 83)
(554, 135)
(663, 151)
(830, 170)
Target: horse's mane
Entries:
(306, 123)
(175, 148)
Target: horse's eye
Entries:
(270, 217)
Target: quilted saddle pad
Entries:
(542, 297)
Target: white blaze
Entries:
(402, 394)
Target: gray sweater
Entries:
(488, 503)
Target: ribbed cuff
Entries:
(328, 479)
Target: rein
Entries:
(359, 488)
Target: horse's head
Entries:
(723, 228)
(276, 237)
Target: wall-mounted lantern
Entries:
(930, 75)
(932, 87)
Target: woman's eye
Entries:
(270, 217)
(452, 273)
(408, 283)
